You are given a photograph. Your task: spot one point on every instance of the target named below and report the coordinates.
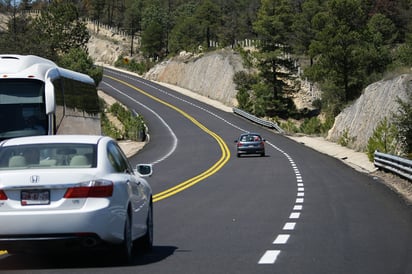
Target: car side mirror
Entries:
(144, 170)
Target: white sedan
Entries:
(72, 191)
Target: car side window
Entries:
(117, 159)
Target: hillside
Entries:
(211, 75)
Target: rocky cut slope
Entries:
(379, 100)
(210, 75)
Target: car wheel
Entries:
(146, 242)
(124, 252)
(262, 154)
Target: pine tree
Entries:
(273, 26)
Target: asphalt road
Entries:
(293, 211)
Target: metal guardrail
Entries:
(257, 120)
(395, 164)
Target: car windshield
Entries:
(250, 138)
(42, 156)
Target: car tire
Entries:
(124, 251)
(146, 242)
(262, 154)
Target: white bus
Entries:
(38, 98)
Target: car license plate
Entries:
(35, 197)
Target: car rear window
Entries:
(250, 138)
(48, 156)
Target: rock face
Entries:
(105, 46)
(211, 75)
(379, 100)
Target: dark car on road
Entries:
(250, 143)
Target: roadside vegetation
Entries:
(341, 45)
(131, 127)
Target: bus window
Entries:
(22, 108)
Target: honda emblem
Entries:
(34, 179)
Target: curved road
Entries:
(293, 211)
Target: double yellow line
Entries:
(192, 181)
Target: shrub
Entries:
(134, 127)
(383, 139)
(345, 139)
(289, 127)
(311, 126)
(132, 65)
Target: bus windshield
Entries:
(22, 108)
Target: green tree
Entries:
(208, 13)
(16, 39)
(96, 8)
(233, 22)
(403, 55)
(132, 19)
(303, 27)
(152, 40)
(186, 35)
(338, 48)
(273, 26)
(244, 84)
(59, 29)
(186, 32)
(380, 34)
(78, 60)
(154, 29)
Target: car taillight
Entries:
(3, 195)
(95, 189)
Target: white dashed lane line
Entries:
(270, 256)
